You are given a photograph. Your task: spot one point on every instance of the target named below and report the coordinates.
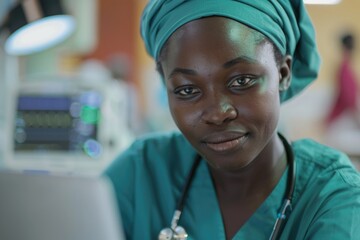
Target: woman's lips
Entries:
(225, 142)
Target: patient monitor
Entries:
(67, 124)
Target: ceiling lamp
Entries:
(36, 25)
(329, 2)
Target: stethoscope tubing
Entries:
(290, 186)
(181, 203)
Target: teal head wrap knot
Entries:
(285, 22)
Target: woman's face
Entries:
(223, 87)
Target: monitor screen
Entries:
(58, 123)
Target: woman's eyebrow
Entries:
(182, 71)
(241, 59)
(186, 71)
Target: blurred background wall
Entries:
(308, 120)
(107, 45)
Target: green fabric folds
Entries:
(285, 22)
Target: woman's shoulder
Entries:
(157, 145)
(158, 151)
(316, 160)
(327, 191)
(159, 141)
(322, 155)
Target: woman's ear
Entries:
(285, 73)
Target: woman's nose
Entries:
(219, 111)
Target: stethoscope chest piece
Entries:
(178, 233)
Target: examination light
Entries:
(329, 2)
(36, 25)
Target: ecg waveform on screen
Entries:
(66, 123)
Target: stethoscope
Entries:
(177, 232)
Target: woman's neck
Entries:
(240, 194)
(260, 177)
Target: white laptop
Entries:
(49, 207)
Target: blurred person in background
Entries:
(343, 120)
(347, 96)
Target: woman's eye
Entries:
(242, 81)
(186, 91)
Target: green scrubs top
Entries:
(148, 179)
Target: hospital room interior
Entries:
(73, 105)
(77, 88)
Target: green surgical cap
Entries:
(285, 22)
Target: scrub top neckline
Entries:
(264, 215)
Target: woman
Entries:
(227, 65)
